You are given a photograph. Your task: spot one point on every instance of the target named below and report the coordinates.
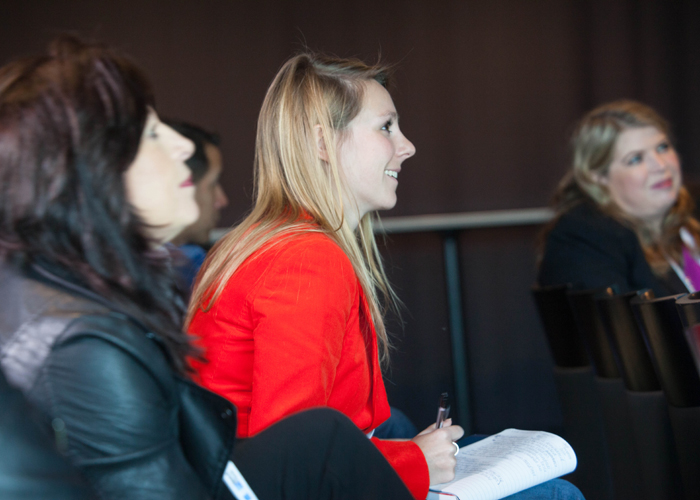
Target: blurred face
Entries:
(371, 155)
(210, 198)
(159, 184)
(645, 176)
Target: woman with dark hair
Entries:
(623, 217)
(92, 185)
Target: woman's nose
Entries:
(181, 148)
(657, 161)
(406, 149)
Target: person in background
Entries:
(92, 184)
(206, 164)
(623, 217)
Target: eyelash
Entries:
(387, 126)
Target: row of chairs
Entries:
(627, 370)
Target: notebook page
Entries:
(508, 462)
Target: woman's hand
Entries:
(439, 452)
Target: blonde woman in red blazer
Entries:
(287, 305)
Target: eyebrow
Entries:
(662, 139)
(391, 114)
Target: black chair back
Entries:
(689, 310)
(565, 343)
(575, 383)
(587, 317)
(627, 341)
(665, 335)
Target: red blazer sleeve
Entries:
(300, 311)
(408, 461)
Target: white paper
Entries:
(508, 462)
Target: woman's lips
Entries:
(187, 183)
(664, 184)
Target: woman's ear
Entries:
(321, 144)
(600, 178)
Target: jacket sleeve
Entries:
(119, 425)
(300, 313)
(30, 466)
(409, 463)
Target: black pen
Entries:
(443, 410)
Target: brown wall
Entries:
(487, 91)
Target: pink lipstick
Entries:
(664, 184)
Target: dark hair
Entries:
(198, 162)
(71, 123)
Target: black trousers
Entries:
(316, 454)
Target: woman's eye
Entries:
(634, 160)
(663, 147)
(152, 132)
(387, 126)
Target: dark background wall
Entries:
(487, 90)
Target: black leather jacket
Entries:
(132, 426)
(30, 466)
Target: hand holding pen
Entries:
(437, 443)
(443, 413)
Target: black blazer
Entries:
(592, 250)
(132, 426)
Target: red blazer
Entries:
(286, 335)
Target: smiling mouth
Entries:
(392, 173)
(665, 184)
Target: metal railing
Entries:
(467, 220)
(449, 225)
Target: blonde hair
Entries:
(297, 192)
(593, 146)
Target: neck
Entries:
(178, 241)
(352, 216)
(352, 220)
(655, 225)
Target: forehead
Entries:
(376, 101)
(633, 139)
